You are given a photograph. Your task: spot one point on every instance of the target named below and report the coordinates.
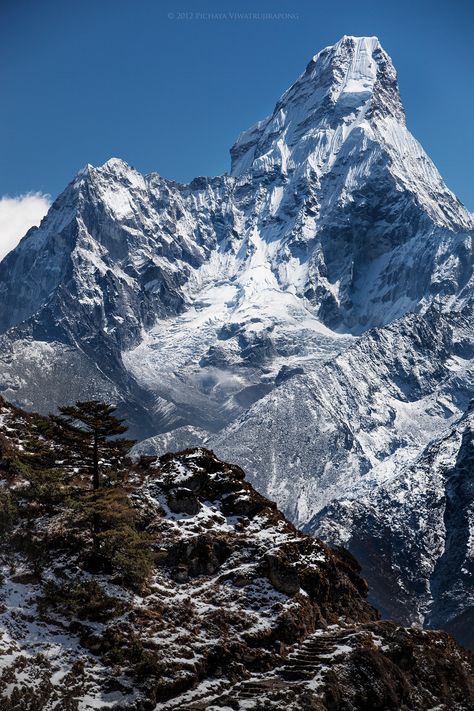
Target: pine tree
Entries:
(89, 432)
(89, 436)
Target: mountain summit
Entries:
(309, 314)
(342, 125)
(343, 88)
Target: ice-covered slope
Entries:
(348, 424)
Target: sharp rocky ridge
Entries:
(308, 315)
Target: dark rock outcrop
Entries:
(240, 609)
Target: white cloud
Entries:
(17, 215)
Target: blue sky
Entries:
(167, 88)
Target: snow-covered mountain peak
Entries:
(360, 57)
(116, 164)
(361, 72)
(345, 86)
(114, 169)
(339, 133)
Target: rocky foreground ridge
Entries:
(210, 598)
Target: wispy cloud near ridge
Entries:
(17, 215)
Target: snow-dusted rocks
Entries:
(239, 609)
(309, 315)
(353, 442)
(415, 534)
(351, 422)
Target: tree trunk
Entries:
(95, 470)
(95, 517)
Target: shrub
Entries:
(129, 552)
(46, 487)
(118, 547)
(86, 600)
(7, 510)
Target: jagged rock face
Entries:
(108, 261)
(117, 244)
(362, 432)
(310, 315)
(338, 137)
(414, 533)
(214, 518)
(350, 423)
(241, 609)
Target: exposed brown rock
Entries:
(263, 615)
